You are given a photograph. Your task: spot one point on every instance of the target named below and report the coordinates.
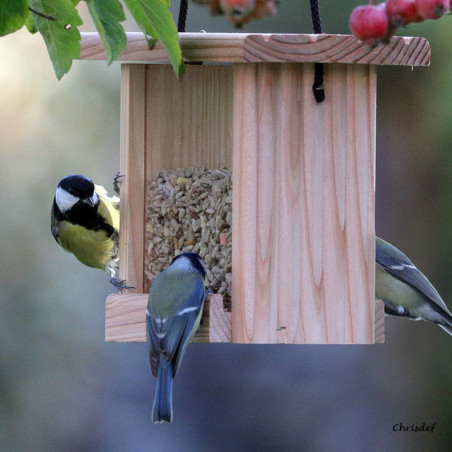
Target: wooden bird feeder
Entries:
(303, 238)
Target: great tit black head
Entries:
(75, 189)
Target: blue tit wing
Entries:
(174, 310)
(400, 266)
(182, 327)
(152, 332)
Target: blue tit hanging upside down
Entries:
(174, 311)
(406, 292)
(85, 221)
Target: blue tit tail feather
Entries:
(447, 328)
(163, 404)
(446, 323)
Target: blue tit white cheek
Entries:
(64, 199)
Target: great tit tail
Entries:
(163, 404)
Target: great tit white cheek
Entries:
(64, 199)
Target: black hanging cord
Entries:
(317, 87)
(182, 16)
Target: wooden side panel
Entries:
(132, 162)
(189, 122)
(303, 244)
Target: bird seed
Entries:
(191, 210)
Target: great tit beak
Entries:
(90, 200)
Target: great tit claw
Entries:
(120, 284)
(117, 182)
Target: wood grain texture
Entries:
(303, 209)
(188, 122)
(303, 236)
(243, 47)
(379, 322)
(132, 167)
(220, 321)
(327, 48)
(125, 319)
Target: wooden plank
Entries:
(360, 200)
(194, 118)
(125, 319)
(327, 48)
(133, 145)
(220, 321)
(246, 47)
(303, 247)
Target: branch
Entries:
(41, 14)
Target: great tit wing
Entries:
(402, 268)
(103, 194)
(54, 224)
(55, 232)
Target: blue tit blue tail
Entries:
(163, 403)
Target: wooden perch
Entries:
(125, 319)
(255, 48)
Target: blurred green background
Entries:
(62, 388)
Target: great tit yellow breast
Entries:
(93, 248)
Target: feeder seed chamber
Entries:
(302, 246)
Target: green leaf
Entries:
(30, 24)
(155, 19)
(106, 15)
(61, 35)
(12, 15)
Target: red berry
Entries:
(401, 12)
(432, 9)
(369, 23)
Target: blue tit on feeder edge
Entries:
(85, 222)
(405, 291)
(174, 311)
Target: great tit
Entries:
(85, 221)
(173, 314)
(405, 291)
